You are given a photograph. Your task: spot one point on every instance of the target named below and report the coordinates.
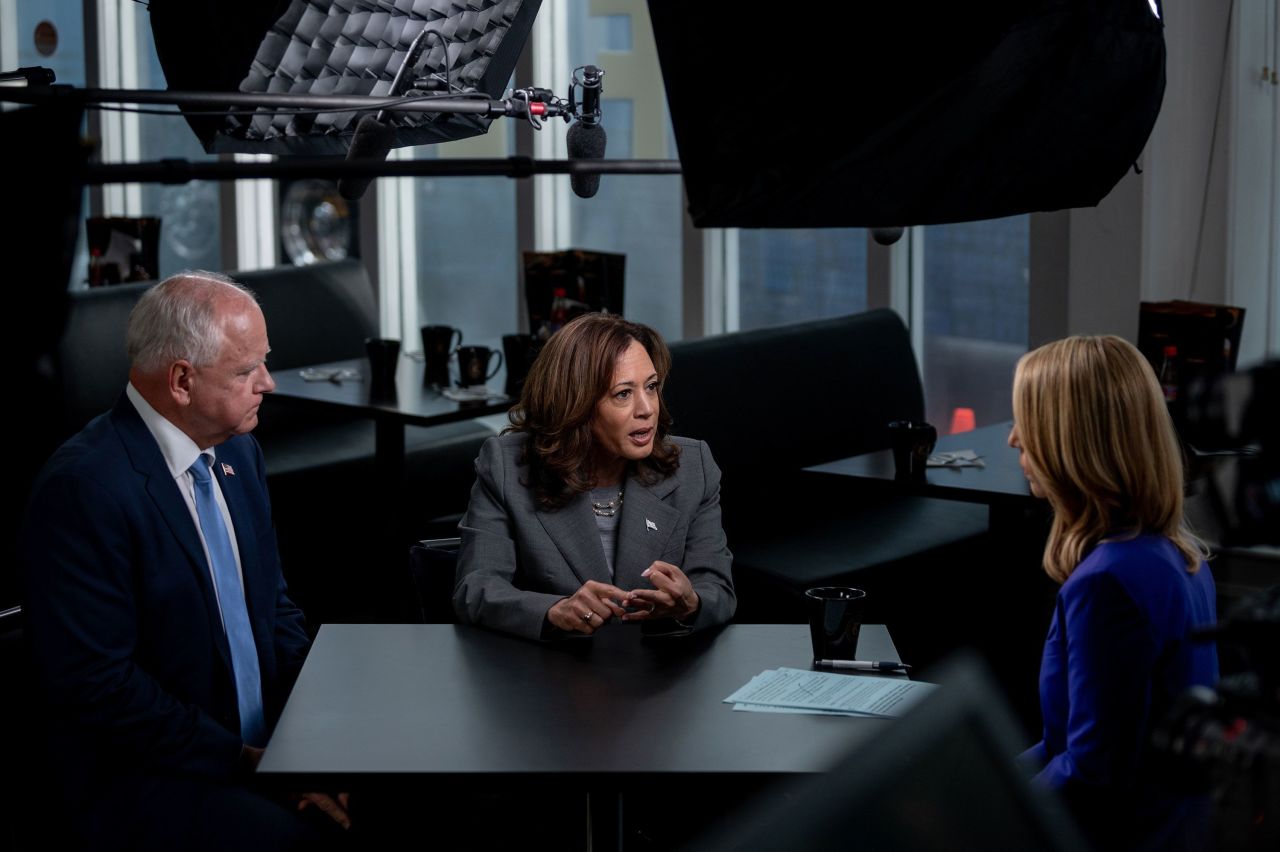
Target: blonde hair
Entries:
(1097, 437)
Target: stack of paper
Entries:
(956, 458)
(804, 691)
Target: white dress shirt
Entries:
(180, 452)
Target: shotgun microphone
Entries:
(586, 138)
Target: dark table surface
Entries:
(1001, 480)
(462, 704)
(412, 402)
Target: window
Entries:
(449, 250)
(639, 216)
(792, 275)
(453, 254)
(974, 290)
(466, 253)
(190, 228)
(49, 34)
(1253, 232)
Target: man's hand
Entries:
(250, 756)
(335, 807)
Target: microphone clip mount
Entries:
(590, 79)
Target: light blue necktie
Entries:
(235, 615)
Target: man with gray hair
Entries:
(163, 639)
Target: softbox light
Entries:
(895, 114)
(334, 47)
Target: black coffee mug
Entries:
(835, 620)
(912, 442)
(437, 344)
(384, 358)
(520, 351)
(473, 365)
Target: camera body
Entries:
(1227, 741)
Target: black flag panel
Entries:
(883, 114)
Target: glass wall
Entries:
(190, 228)
(466, 244)
(976, 279)
(639, 216)
(50, 34)
(794, 275)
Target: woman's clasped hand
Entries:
(595, 604)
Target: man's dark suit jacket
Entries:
(123, 624)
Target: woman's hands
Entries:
(594, 604)
(588, 608)
(672, 595)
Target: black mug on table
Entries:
(384, 358)
(473, 365)
(519, 350)
(835, 621)
(437, 344)
(912, 442)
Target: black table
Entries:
(458, 706)
(413, 403)
(1000, 483)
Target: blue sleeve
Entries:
(1033, 759)
(1111, 656)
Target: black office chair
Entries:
(38, 821)
(433, 563)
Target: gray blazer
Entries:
(517, 560)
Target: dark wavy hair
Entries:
(570, 376)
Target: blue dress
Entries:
(1116, 657)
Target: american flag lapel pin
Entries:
(228, 470)
(650, 525)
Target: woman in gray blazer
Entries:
(586, 510)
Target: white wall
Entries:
(1185, 191)
(1200, 222)
(1140, 242)
(1253, 218)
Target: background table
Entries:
(998, 484)
(414, 403)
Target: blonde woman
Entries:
(1096, 441)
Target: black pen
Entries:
(863, 665)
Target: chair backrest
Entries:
(92, 361)
(433, 563)
(784, 398)
(314, 314)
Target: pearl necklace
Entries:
(608, 510)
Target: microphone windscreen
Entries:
(585, 142)
(372, 140)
